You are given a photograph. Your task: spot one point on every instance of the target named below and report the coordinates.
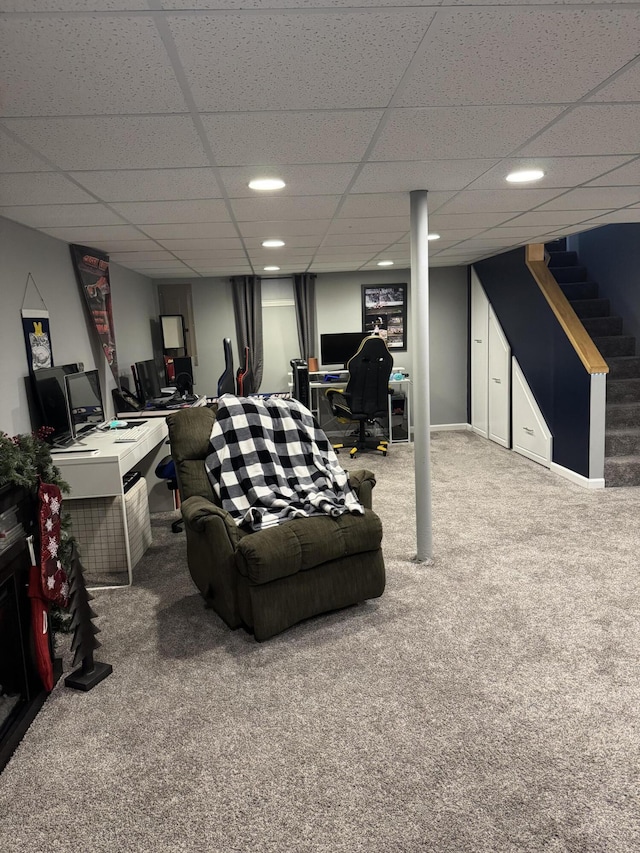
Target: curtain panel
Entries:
(304, 295)
(247, 308)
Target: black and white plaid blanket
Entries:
(270, 462)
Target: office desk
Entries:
(101, 513)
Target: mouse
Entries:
(116, 424)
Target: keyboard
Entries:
(130, 434)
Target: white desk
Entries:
(92, 475)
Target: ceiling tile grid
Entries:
(135, 126)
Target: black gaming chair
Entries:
(227, 381)
(366, 396)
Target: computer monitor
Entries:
(51, 400)
(336, 349)
(86, 410)
(148, 380)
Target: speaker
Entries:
(301, 389)
(183, 373)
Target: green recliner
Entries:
(271, 579)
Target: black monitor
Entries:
(148, 380)
(86, 410)
(51, 400)
(336, 349)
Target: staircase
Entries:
(622, 424)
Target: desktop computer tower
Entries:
(300, 373)
(183, 373)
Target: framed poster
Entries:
(384, 312)
(37, 338)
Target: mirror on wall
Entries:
(173, 334)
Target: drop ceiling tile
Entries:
(150, 184)
(333, 61)
(558, 171)
(367, 249)
(625, 87)
(161, 212)
(370, 225)
(96, 236)
(300, 241)
(329, 179)
(52, 215)
(432, 175)
(459, 132)
(594, 198)
(14, 157)
(142, 257)
(625, 175)
(133, 246)
(113, 142)
(284, 229)
(72, 5)
(587, 130)
(274, 138)
(355, 238)
(512, 199)
(193, 230)
(549, 218)
(629, 214)
(187, 244)
(40, 188)
(270, 4)
(303, 207)
(120, 60)
(543, 46)
(375, 204)
(466, 220)
(210, 256)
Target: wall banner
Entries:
(92, 274)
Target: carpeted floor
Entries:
(488, 702)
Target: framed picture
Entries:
(384, 312)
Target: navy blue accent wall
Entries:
(556, 376)
(612, 257)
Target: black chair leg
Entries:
(176, 526)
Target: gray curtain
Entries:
(247, 307)
(304, 294)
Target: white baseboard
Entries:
(578, 479)
(443, 427)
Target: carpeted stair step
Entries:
(580, 290)
(622, 442)
(622, 416)
(557, 245)
(562, 259)
(612, 345)
(591, 307)
(622, 471)
(600, 327)
(623, 390)
(566, 275)
(623, 367)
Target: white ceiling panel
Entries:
(135, 126)
(459, 132)
(333, 61)
(469, 44)
(273, 138)
(156, 212)
(52, 215)
(380, 177)
(101, 57)
(40, 188)
(114, 142)
(150, 184)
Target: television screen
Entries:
(51, 399)
(337, 348)
(84, 399)
(148, 379)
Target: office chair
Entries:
(166, 470)
(366, 396)
(226, 383)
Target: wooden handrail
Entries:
(585, 348)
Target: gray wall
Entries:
(612, 257)
(24, 251)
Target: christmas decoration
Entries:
(54, 578)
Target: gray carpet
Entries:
(488, 702)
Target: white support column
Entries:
(420, 346)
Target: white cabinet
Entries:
(531, 435)
(490, 370)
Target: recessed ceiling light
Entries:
(525, 175)
(272, 244)
(385, 263)
(267, 184)
(433, 236)
(271, 269)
